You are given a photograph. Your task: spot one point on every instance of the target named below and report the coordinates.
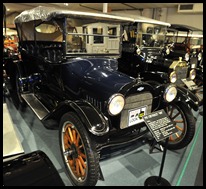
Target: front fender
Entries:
(91, 117)
(187, 96)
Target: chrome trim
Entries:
(134, 102)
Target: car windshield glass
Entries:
(84, 36)
(151, 35)
(190, 39)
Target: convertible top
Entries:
(47, 13)
(138, 18)
(184, 28)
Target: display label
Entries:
(160, 125)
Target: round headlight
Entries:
(173, 77)
(192, 74)
(167, 50)
(187, 57)
(138, 51)
(199, 56)
(116, 104)
(170, 93)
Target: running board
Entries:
(39, 109)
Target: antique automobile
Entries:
(187, 42)
(143, 53)
(69, 77)
(181, 40)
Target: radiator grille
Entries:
(135, 102)
(181, 74)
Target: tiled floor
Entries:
(127, 165)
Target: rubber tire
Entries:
(92, 157)
(16, 95)
(190, 127)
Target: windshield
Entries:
(190, 39)
(151, 35)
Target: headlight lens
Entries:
(116, 104)
(170, 93)
(173, 77)
(167, 50)
(192, 74)
(138, 51)
(199, 56)
(187, 57)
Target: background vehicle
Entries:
(187, 42)
(69, 77)
(143, 51)
(182, 39)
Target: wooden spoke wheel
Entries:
(184, 121)
(78, 152)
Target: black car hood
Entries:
(95, 75)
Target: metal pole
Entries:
(163, 159)
(105, 7)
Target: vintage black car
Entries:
(181, 40)
(143, 52)
(69, 77)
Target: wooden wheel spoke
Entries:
(74, 136)
(175, 115)
(80, 167)
(68, 137)
(177, 135)
(179, 128)
(66, 140)
(171, 138)
(78, 137)
(77, 167)
(71, 162)
(82, 162)
(82, 155)
(179, 121)
(70, 134)
(80, 146)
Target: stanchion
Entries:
(158, 180)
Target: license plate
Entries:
(135, 115)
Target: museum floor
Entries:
(127, 165)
